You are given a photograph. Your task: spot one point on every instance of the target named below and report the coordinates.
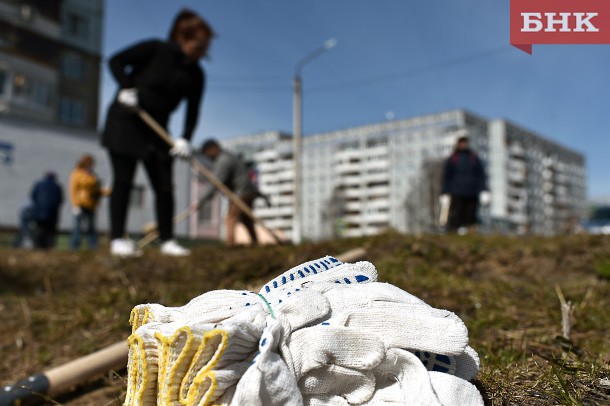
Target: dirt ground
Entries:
(58, 306)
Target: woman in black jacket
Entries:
(155, 76)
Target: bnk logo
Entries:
(559, 22)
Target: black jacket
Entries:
(163, 76)
(463, 174)
(47, 197)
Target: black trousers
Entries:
(159, 168)
(44, 235)
(463, 211)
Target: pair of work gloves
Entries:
(129, 98)
(322, 333)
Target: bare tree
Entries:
(421, 204)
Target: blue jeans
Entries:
(85, 219)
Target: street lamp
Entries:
(297, 128)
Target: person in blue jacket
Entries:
(464, 185)
(47, 197)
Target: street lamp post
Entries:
(297, 128)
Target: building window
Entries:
(41, 94)
(31, 91)
(73, 66)
(77, 25)
(72, 111)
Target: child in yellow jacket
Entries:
(85, 194)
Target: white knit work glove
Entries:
(345, 274)
(269, 381)
(199, 361)
(213, 306)
(454, 391)
(444, 199)
(445, 350)
(324, 358)
(205, 346)
(401, 379)
(317, 358)
(143, 364)
(292, 277)
(396, 325)
(128, 97)
(181, 148)
(378, 306)
(465, 365)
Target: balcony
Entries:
(376, 217)
(379, 152)
(376, 177)
(378, 204)
(267, 166)
(372, 230)
(378, 191)
(281, 200)
(516, 177)
(517, 205)
(285, 175)
(353, 232)
(518, 192)
(381, 164)
(348, 155)
(266, 155)
(353, 206)
(350, 181)
(516, 150)
(274, 212)
(348, 167)
(283, 224)
(518, 218)
(354, 218)
(351, 193)
(516, 166)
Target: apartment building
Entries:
(50, 53)
(359, 181)
(539, 186)
(50, 69)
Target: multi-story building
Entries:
(539, 186)
(359, 181)
(50, 63)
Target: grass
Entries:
(59, 305)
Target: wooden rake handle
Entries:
(199, 167)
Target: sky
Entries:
(394, 59)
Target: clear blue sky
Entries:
(399, 58)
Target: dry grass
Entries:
(57, 306)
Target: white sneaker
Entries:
(462, 230)
(172, 248)
(123, 247)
